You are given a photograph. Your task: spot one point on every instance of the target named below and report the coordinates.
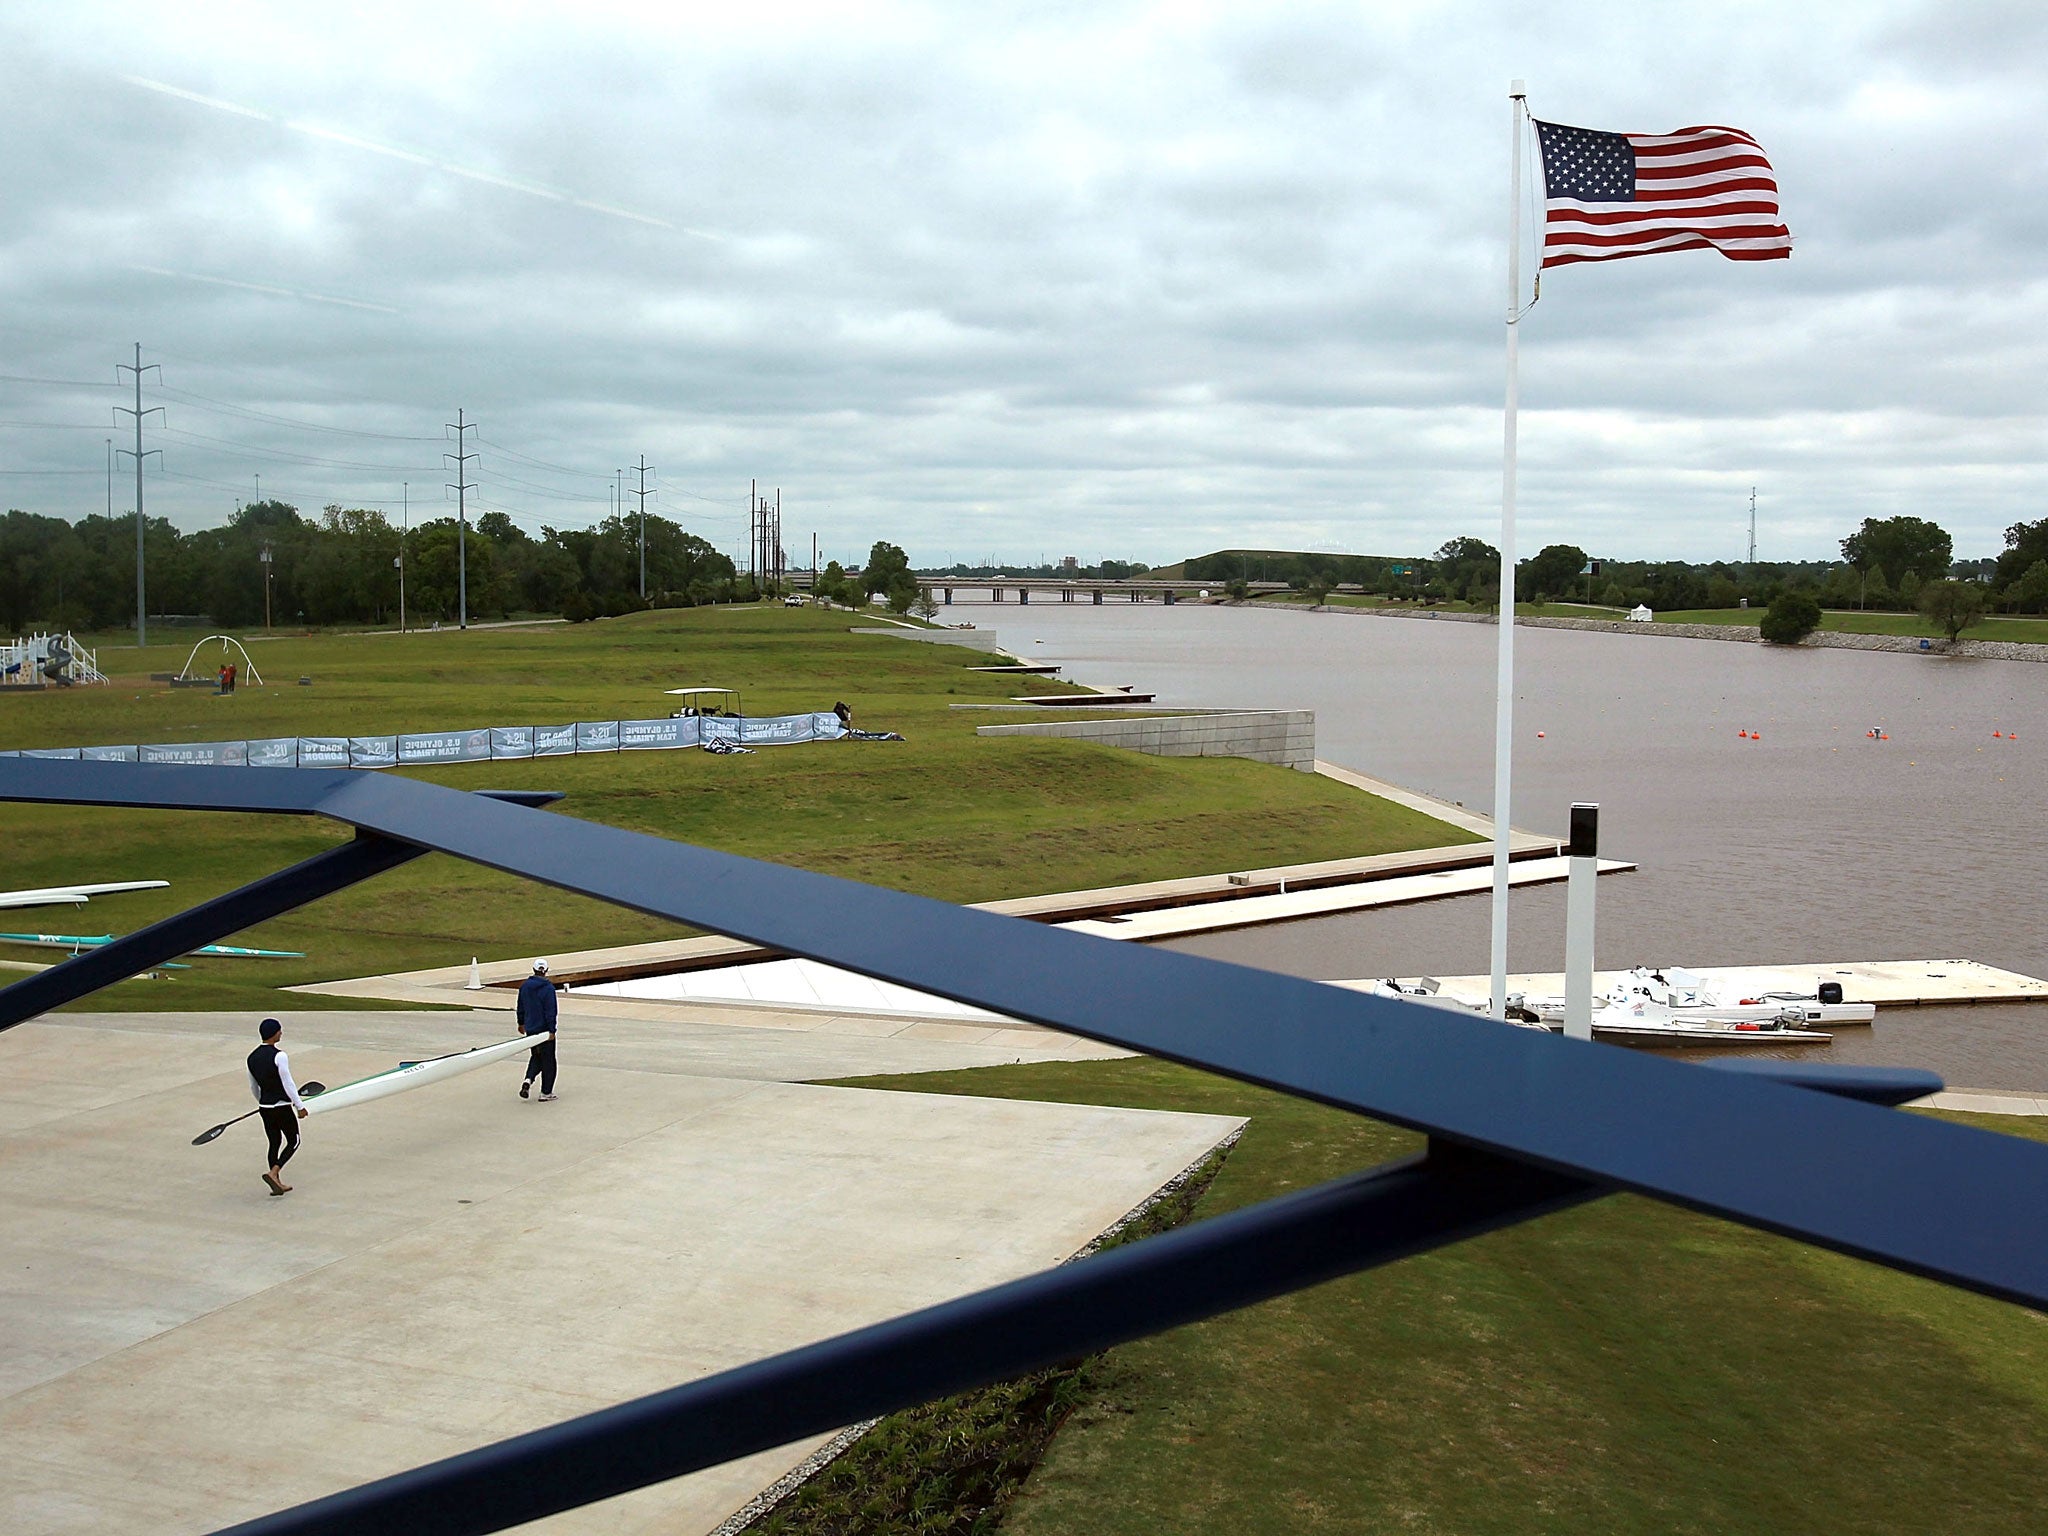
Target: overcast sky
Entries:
(1093, 279)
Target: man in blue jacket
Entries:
(537, 1017)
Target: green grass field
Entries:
(1623, 1367)
(946, 813)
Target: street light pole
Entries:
(266, 559)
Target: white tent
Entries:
(1640, 614)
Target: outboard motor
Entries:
(1831, 992)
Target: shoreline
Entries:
(1820, 639)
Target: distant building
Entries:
(1069, 564)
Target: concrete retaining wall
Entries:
(1833, 640)
(1285, 736)
(973, 639)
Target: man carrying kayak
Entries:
(277, 1098)
(537, 1017)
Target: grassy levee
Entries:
(946, 813)
(1849, 621)
(1623, 1367)
(1846, 621)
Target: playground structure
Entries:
(39, 661)
(230, 650)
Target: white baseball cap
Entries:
(540, 967)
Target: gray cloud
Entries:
(1098, 280)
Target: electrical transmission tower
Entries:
(462, 485)
(1752, 525)
(764, 539)
(643, 467)
(765, 560)
(136, 368)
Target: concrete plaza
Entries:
(180, 1350)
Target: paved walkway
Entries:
(179, 1350)
(1979, 1101)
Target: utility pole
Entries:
(141, 603)
(753, 533)
(404, 527)
(1752, 526)
(644, 466)
(462, 486)
(775, 549)
(265, 557)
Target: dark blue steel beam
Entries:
(211, 921)
(1922, 1195)
(208, 923)
(1180, 1277)
(1061, 1314)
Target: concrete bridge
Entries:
(1071, 589)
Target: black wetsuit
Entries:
(280, 1114)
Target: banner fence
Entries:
(492, 744)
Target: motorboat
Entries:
(1687, 995)
(1642, 1020)
(1427, 991)
(1629, 1020)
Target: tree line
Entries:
(1888, 563)
(341, 567)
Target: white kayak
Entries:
(417, 1074)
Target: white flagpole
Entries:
(1504, 679)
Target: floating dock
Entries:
(1886, 983)
(1326, 901)
(1079, 700)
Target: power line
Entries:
(299, 458)
(287, 421)
(541, 490)
(581, 474)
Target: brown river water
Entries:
(1814, 843)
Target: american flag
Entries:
(1609, 195)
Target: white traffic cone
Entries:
(476, 976)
